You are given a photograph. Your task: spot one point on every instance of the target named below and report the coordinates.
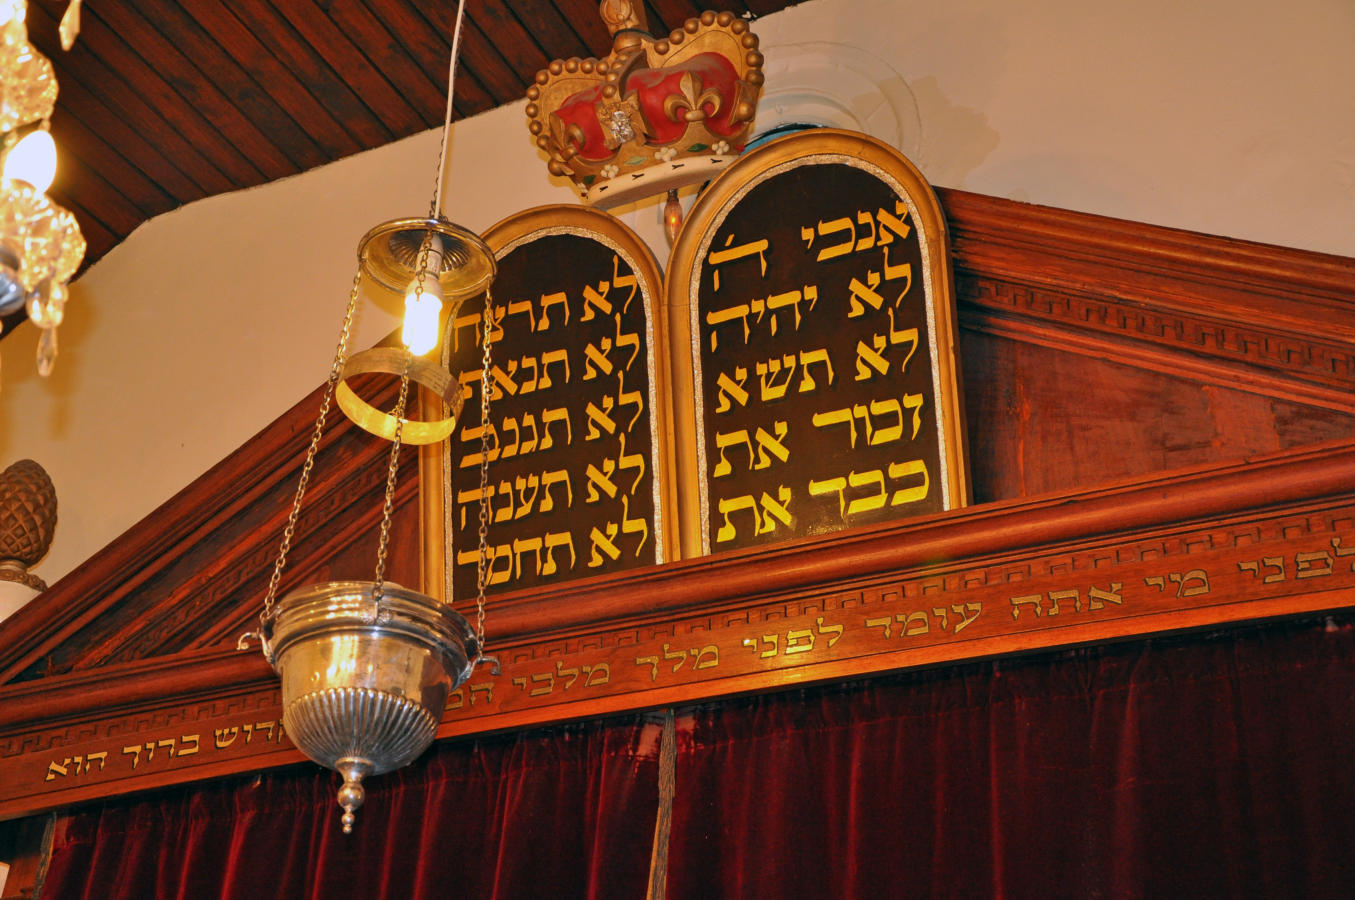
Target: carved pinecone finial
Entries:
(27, 520)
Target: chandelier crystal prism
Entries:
(41, 246)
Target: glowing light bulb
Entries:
(33, 160)
(423, 308)
(11, 10)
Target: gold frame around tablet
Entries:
(503, 237)
(807, 148)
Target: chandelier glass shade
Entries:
(41, 246)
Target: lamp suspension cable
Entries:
(435, 207)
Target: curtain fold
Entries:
(1200, 766)
(564, 813)
(1210, 766)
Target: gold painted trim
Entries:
(502, 238)
(817, 147)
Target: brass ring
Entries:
(425, 373)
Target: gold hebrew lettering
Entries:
(868, 359)
(974, 607)
(548, 418)
(836, 226)
(595, 359)
(595, 299)
(629, 339)
(486, 688)
(831, 486)
(841, 416)
(553, 541)
(884, 622)
(1033, 599)
(472, 321)
(624, 281)
(725, 440)
(809, 358)
(134, 752)
(521, 307)
(1273, 562)
(727, 505)
(891, 225)
(895, 272)
(680, 656)
(941, 613)
(772, 388)
(863, 294)
(915, 623)
(600, 479)
(604, 543)
(523, 546)
(626, 398)
(547, 301)
(571, 673)
(1312, 565)
(774, 511)
(731, 389)
(1191, 583)
(552, 357)
(597, 676)
(728, 314)
(637, 525)
(185, 750)
(102, 757)
(799, 640)
(731, 253)
(528, 385)
(707, 657)
(598, 420)
(1072, 594)
(1159, 582)
(549, 480)
(543, 684)
(863, 217)
(626, 462)
(770, 445)
(899, 471)
(834, 630)
(55, 768)
(525, 503)
(873, 478)
(455, 700)
(1097, 598)
(652, 662)
(221, 740)
(775, 641)
(473, 435)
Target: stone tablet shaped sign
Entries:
(811, 284)
(577, 469)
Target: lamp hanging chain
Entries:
(383, 544)
(435, 205)
(481, 581)
(335, 370)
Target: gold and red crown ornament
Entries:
(654, 114)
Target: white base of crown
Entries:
(656, 179)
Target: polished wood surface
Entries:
(1159, 441)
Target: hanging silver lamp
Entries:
(366, 666)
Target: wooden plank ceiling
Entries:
(163, 102)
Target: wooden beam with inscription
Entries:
(1197, 548)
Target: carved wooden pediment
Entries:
(1160, 433)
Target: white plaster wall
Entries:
(1232, 118)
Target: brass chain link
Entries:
(482, 558)
(335, 370)
(384, 543)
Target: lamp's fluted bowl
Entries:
(364, 683)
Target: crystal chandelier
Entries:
(367, 666)
(40, 243)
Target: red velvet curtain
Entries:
(1202, 766)
(1216, 766)
(569, 813)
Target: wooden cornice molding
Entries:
(1267, 537)
(1270, 320)
(194, 555)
